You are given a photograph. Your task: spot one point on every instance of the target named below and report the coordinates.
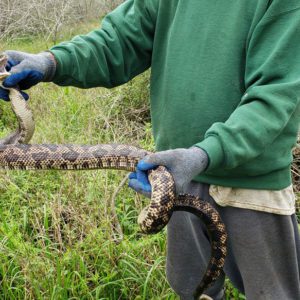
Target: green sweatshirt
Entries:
(225, 77)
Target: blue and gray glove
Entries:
(27, 70)
(183, 164)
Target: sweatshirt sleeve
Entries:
(112, 54)
(272, 84)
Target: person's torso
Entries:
(198, 65)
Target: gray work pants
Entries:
(263, 259)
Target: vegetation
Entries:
(23, 18)
(59, 236)
(57, 233)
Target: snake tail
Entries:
(217, 234)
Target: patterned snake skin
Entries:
(296, 177)
(15, 153)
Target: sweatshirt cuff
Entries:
(214, 150)
(62, 59)
(50, 64)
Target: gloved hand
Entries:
(183, 164)
(27, 70)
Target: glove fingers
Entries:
(10, 63)
(132, 175)
(15, 78)
(142, 177)
(32, 79)
(24, 79)
(4, 94)
(143, 165)
(25, 95)
(139, 187)
(139, 181)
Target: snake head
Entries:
(3, 63)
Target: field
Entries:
(59, 234)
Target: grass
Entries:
(57, 231)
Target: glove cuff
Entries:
(50, 66)
(199, 158)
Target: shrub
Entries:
(22, 18)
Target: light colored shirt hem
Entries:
(277, 202)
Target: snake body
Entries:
(15, 153)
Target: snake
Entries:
(17, 154)
(296, 176)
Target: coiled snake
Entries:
(15, 153)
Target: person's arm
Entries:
(26, 70)
(112, 54)
(108, 56)
(272, 81)
(272, 97)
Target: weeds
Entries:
(56, 229)
(56, 233)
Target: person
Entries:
(225, 90)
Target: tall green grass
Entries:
(57, 230)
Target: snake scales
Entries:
(15, 153)
(296, 177)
